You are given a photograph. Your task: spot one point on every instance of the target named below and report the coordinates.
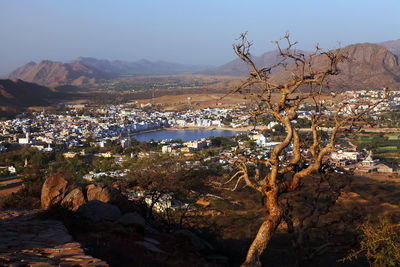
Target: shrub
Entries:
(380, 243)
(29, 196)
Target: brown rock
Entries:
(132, 218)
(97, 211)
(203, 202)
(50, 245)
(73, 200)
(104, 194)
(53, 191)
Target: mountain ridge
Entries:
(371, 66)
(52, 73)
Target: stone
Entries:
(197, 242)
(104, 194)
(150, 247)
(53, 191)
(132, 218)
(50, 245)
(73, 200)
(97, 211)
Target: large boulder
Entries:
(132, 218)
(73, 200)
(97, 211)
(53, 191)
(104, 194)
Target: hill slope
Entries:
(370, 66)
(50, 73)
(16, 94)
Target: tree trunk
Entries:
(262, 239)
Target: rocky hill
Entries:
(50, 73)
(370, 66)
(91, 70)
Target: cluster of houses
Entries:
(359, 162)
(185, 148)
(112, 122)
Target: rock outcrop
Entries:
(74, 199)
(57, 191)
(53, 191)
(97, 211)
(132, 218)
(107, 225)
(29, 241)
(104, 194)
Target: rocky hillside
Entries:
(50, 73)
(96, 225)
(18, 93)
(370, 66)
(27, 240)
(91, 70)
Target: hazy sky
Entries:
(185, 31)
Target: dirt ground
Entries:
(8, 186)
(204, 100)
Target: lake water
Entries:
(185, 135)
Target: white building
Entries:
(260, 139)
(24, 141)
(12, 169)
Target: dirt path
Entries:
(10, 185)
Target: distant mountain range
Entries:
(91, 70)
(372, 66)
(238, 68)
(393, 46)
(141, 67)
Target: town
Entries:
(108, 132)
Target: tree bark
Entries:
(261, 240)
(267, 229)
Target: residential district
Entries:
(75, 128)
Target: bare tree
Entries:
(306, 81)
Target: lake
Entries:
(185, 135)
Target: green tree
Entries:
(380, 243)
